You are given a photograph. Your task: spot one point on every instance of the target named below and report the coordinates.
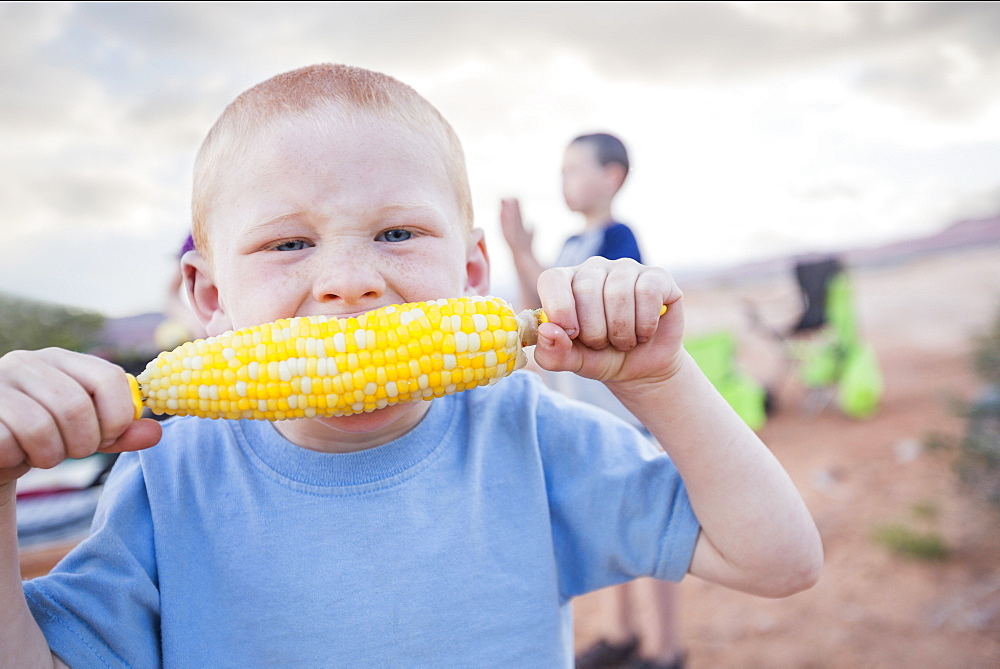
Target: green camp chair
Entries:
(833, 357)
(715, 354)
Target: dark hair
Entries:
(609, 148)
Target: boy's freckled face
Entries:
(335, 222)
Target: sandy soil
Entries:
(871, 608)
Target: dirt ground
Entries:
(871, 607)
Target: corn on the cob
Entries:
(304, 367)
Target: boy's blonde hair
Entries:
(320, 94)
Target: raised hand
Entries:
(606, 324)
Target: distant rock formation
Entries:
(961, 236)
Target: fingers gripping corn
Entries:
(317, 366)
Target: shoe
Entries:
(604, 655)
(640, 663)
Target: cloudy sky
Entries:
(756, 129)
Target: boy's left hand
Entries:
(605, 323)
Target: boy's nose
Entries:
(349, 278)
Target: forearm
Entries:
(20, 637)
(528, 270)
(757, 534)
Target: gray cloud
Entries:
(900, 50)
(623, 39)
(104, 104)
(101, 197)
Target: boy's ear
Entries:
(203, 294)
(477, 264)
(615, 174)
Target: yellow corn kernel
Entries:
(320, 366)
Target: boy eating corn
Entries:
(452, 532)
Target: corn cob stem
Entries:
(318, 366)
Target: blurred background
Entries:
(765, 137)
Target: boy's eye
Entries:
(291, 245)
(394, 235)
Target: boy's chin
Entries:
(369, 421)
(362, 430)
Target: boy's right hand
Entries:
(57, 404)
(518, 237)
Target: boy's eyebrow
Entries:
(383, 210)
(274, 220)
(409, 205)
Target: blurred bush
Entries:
(29, 325)
(902, 540)
(979, 462)
(986, 354)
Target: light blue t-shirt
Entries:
(457, 545)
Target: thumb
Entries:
(140, 434)
(11, 474)
(554, 350)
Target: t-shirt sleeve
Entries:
(618, 506)
(99, 607)
(619, 242)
